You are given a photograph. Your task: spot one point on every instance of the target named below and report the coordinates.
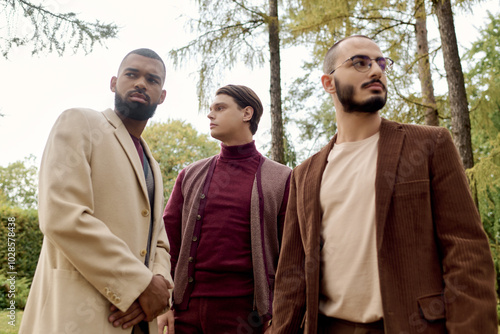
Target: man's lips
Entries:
(138, 97)
(212, 125)
(376, 84)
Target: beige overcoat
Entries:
(95, 215)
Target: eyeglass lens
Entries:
(363, 63)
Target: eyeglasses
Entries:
(364, 63)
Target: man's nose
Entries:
(140, 84)
(375, 69)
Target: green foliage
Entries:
(175, 145)
(28, 242)
(26, 23)
(18, 183)
(483, 87)
(484, 179)
(21, 290)
(28, 239)
(230, 32)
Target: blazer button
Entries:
(144, 252)
(145, 213)
(190, 280)
(117, 299)
(202, 196)
(195, 238)
(198, 217)
(190, 259)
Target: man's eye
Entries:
(359, 62)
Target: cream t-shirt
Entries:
(350, 287)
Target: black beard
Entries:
(372, 105)
(135, 110)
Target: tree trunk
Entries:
(460, 121)
(424, 70)
(277, 146)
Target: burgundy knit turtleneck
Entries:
(223, 264)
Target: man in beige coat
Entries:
(104, 265)
(381, 234)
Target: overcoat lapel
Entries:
(126, 142)
(157, 178)
(389, 151)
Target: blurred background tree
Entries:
(175, 145)
(44, 30)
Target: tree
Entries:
(424, 70)
(235, 36)
(19, 184)
(483, 88)
(25, 23)
(175, 145)
(460, 121)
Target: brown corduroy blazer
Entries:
(435, 267)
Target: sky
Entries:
(36, 90)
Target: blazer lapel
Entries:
(310, 199)
(123, 136)
(389, 151)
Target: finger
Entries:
(134, 321)
(128, 317)
(170, 323)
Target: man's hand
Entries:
(126, 319)
(155, 299)
(166, 320)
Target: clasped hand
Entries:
(151, 302)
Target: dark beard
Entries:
(135, 110)
(345, 94)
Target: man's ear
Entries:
(162, 96)
(247, 113)
(112, 84)
(328, 83)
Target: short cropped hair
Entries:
(332, 54)
(147, 53)
(244, 97)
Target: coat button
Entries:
(145, 213)
(190, 259)
(198, 217)
(202, 196)
(190, 280)
(195, 238)
(144, 252)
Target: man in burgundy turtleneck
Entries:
(224, 221)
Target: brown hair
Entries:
(331, 54)
(244, 97)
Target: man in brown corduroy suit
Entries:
(381, 233)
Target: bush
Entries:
(27, 237)
(22, 289)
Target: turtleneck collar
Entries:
(238, 151)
